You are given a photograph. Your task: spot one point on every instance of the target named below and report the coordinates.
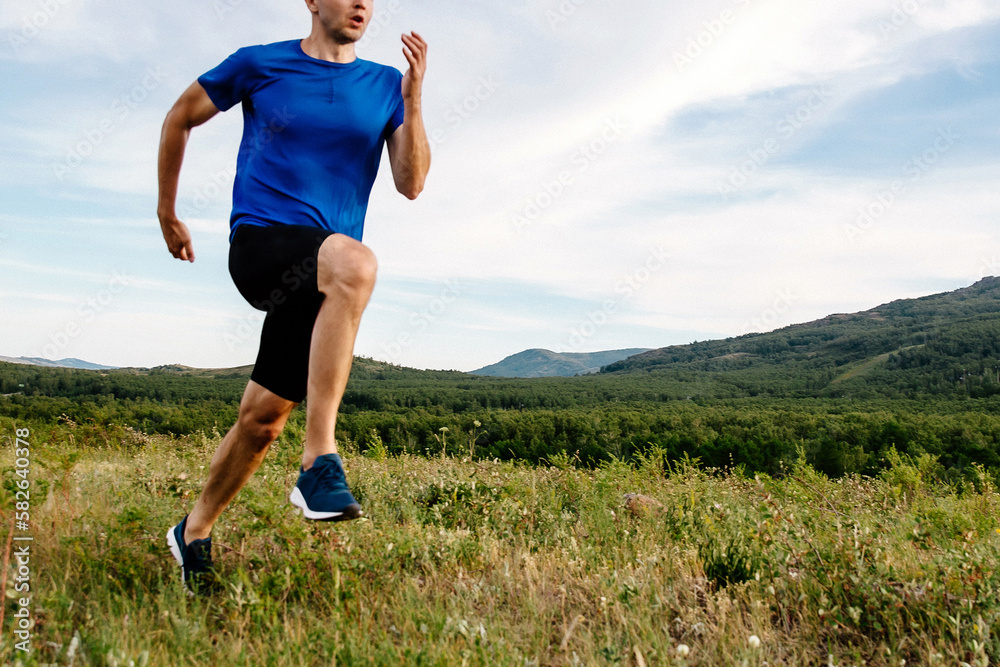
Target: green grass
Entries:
(489, 563)
(862, 367)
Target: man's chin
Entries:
(348, 36)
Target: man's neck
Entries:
(318, 45)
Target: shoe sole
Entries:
(350, 512)
(175, 548)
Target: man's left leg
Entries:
(346, 277)
(261, 418)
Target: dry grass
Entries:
(488, 563)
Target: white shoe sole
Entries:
(175, 548)
(299, 501)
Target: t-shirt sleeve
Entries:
(231, 81)
(398, 109)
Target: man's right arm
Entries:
(193, 108)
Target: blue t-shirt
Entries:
(313, 133)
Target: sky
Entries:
(604, 175)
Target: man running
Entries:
(315, 120)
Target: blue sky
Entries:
(602, 177)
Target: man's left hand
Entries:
(416, 54)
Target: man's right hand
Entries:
(177, 236)
(193, 108)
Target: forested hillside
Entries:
(919, 375)
(941, 345)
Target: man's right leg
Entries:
(262, 417)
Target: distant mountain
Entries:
(538, 363)
(179, 369)
(62, 363)
(362, 367)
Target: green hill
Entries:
(918, 375)
(943, 344)
(940, 346)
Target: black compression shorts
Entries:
(274, 268)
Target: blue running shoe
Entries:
(322, 494)
(195, 558)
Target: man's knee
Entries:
(346, 264)
(261, 428)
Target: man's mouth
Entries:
(358, 21)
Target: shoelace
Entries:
(332, 478)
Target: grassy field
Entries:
(476, 562)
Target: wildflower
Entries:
(754, 641)
(74, 644)
(683, 650)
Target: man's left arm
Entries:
(409, 151)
